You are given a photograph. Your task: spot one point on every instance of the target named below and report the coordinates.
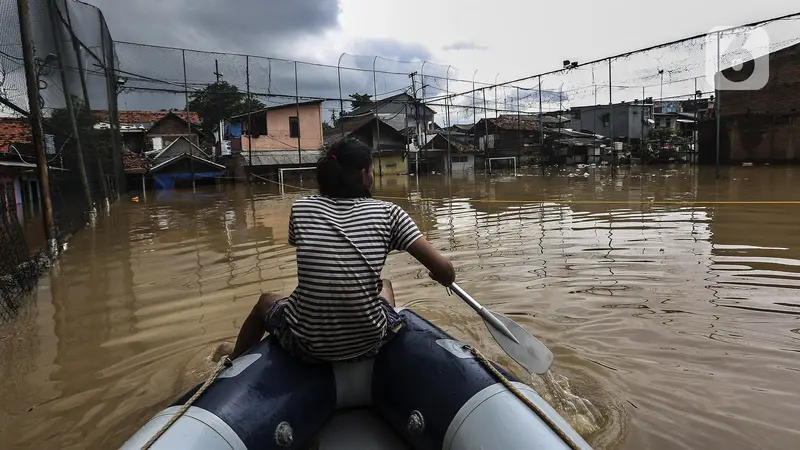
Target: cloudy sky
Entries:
(502, 39)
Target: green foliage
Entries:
(357, 99)
(664, 143)
(219, 101)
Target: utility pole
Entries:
(416, 119)
(37, 133)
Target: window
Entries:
(606, 118)
(294, 127)
(459, 158)
(576, 114)
(668, 122)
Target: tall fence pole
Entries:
(188, 119)
(51, 6)
(447, 113)
(377, 143)
(718, 103)
(485, 121)
(519, 129)
(475, 113)
(642, 149)
(341, 99)
(297, 111)
(423, 86)
(111, 88)
(611, 120)
(494, 88)
(37, 133)
(541, 128)
(249, 123)
(76, 47)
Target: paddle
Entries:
(520, 345)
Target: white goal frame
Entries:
(512, 158)
(280, 174)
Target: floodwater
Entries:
(674, 324)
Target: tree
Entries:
(664, 143)
(359, 99)
(328, 127)
(218, 101)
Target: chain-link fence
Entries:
(74, 65)
(648, 106)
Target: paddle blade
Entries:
(531, 354)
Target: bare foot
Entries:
(223, 349)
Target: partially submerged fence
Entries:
(74, 62)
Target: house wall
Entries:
(391, 164)
(395, 114)
(278, 137)
(462, 162)
(627, 120)
(169, 129)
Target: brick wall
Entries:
(762, 125)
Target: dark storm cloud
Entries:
(244, 26)
(463, 45)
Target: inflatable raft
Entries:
(424, 391)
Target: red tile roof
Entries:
(14, 131)
(131, 116)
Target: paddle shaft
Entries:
(483, 312)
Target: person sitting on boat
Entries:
(341, 309)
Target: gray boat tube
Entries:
(427, 387)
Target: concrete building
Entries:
(631, 122)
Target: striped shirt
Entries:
(342, 244)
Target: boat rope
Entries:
(510, 386)
(224, 362)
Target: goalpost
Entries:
(512, 158)
(288, 169)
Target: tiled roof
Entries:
(14, 131)
(131, 116)
(135, 163)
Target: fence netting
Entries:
(74, 59)
(649, 105)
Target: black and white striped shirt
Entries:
(342, 245)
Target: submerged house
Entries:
(435, 151)
(181, 162)
(508, 136)
(152, 130)
(282, 136)
(389, 152)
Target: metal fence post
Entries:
(611, 120)
(110, 72)
(718, 102)
(341, 99)
(297, 111)
(377, 143)
(188, 119)
(447, 113)
(51, 6)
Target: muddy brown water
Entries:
(674, 325)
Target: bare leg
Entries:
(253, 327)
(387, 292)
